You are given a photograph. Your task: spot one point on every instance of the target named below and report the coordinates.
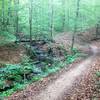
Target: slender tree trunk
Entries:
(68, 15)
(75, 25)
(64, 15)
(51, 18)
(30, 22)
(3, 14)
(97, 29)
(9, 11)
(16, 18)
(38, 26)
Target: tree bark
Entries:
(97, 29)
(64, 15)
(3, 14)
(51, 18)
(16, 18)
(9, 11)
(75, 25)
(30, 22)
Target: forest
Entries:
(49, 49)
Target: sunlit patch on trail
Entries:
(94, 49)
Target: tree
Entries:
(51, 18)
(3, 14)
(30, 21)
(64, 15)
(16, 2)
(68, 14)
(75, 25)
(97, 29)
(9, 12)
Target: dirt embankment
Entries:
(11, 53)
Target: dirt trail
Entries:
(66, 80)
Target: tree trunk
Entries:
(16, 18)
(9, 11)
(64, 15)
(75, 25)
(3, 14)
(51, 18)
(30, 22)
(97, 29)
(68, 15)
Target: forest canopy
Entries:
(14, 16)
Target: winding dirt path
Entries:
(55, 90)
(66, 81)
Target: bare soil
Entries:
(11, 53)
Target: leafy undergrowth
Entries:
(15, 77)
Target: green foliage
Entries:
(98, 74)
(6, 38)
(6, 93)
(10, 91)
(2, 83)
(88, 16)
(70, 58)
(75, 50)
(41, 23)
(15, 73)
(36, 78)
